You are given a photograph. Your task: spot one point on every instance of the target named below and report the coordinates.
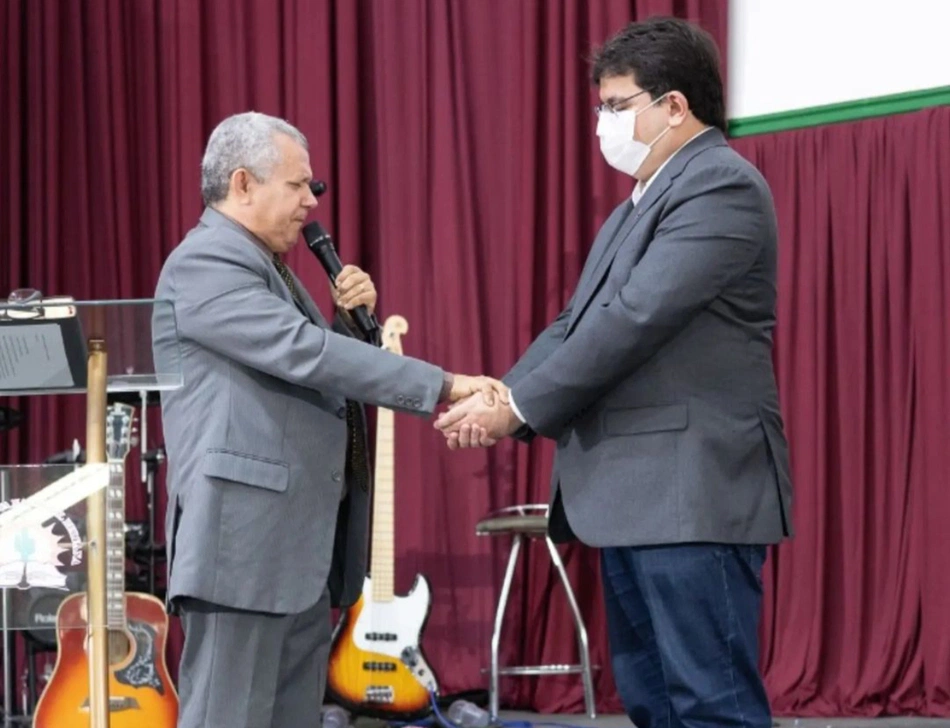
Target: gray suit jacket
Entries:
(657, 379)
(256, 438)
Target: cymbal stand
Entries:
(153, 460)
(150, 461)
(143, 441)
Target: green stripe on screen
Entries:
(845, 111)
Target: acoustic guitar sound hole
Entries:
(119, 646)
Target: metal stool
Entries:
(520, 522)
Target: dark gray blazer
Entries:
(256, 438)
(657, 379)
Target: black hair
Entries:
(668, 54)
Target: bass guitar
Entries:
(377, 667)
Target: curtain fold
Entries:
(852, 624)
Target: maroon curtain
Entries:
(856, 612)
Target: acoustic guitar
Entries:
(377, 667)
(141, 693)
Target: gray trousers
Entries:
(252, 670)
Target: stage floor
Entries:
(621, 721)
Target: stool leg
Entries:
(582, 643)
(496, 630)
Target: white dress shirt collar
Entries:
(641, 187)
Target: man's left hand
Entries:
(473, 423)
(354, 288)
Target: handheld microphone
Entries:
(317, 187)
(321, 245)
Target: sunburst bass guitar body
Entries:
(377, 667)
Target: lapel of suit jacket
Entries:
(599, 250)
(303, 302)
(592, 281)
(213, 218)
(310, 307)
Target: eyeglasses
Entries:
(614, 108)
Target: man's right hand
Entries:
(465, 386)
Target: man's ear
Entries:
(241, 185)
(679, 108)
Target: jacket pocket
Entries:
(247, 469)
(639, 420)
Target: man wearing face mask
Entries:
(657, 383)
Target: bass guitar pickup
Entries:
(379, 666)
(381, 636)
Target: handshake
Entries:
(480, 414)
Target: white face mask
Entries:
(617, 144)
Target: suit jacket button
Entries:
(417, 403)
(337, 476)
(400, 399)
(341, 413)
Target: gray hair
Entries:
(245, 140)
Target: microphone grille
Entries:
(314, 234)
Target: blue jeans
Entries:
(682, 623)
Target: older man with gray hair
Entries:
(269, 479)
